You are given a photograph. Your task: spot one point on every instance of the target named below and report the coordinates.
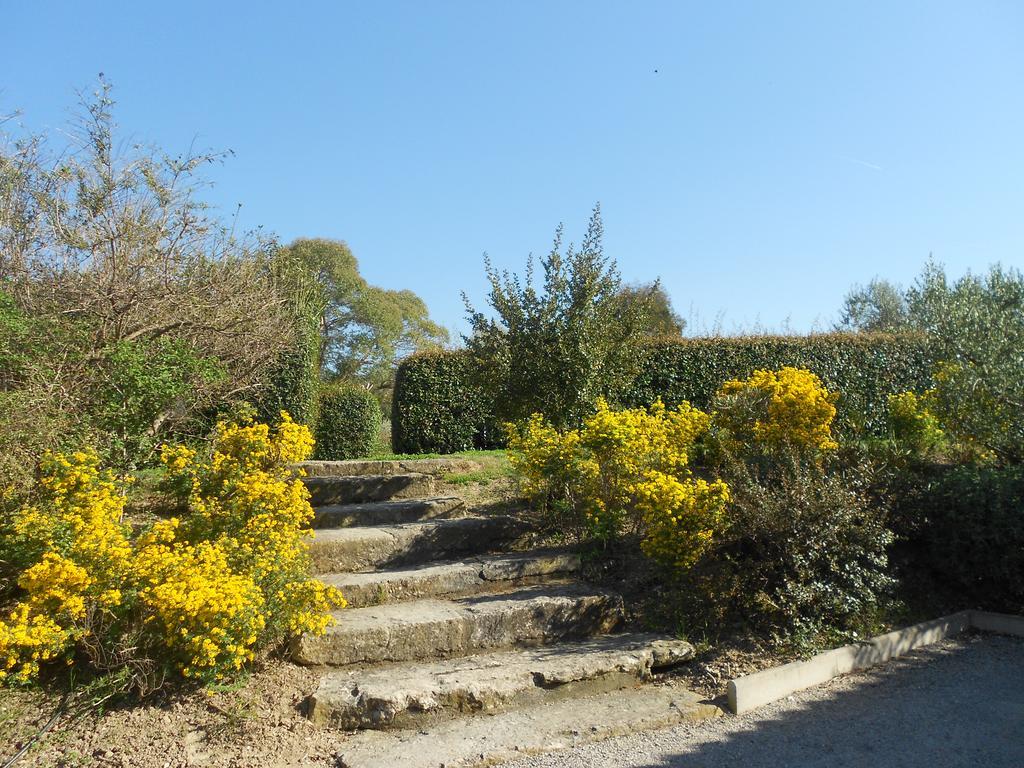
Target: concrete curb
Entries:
(751, 691)
(1001, 623)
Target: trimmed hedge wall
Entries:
(348, 424)
(436, 408)
(863, 368)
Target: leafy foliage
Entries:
(804, 549)
(349, 422)
(963, 527)
(363, 329)
(914, 425)
(662, 319)
(440, 407)
(109, 257)
(975, 327)
(878, 307)
(143, 383)
(558, 348)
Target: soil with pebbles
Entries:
(258, 724)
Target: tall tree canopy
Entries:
(364, 329)
(662, 319)
(878, 306)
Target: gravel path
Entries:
(956, 703)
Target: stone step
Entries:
(386, 512)
(354, 467)
(549, 727)
(356, 549)
(357, 489)
(432, 629)
(411, 695)
(449, 579)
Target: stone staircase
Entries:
(459, 647)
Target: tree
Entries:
(662, 318)
(975, 327)
(364, 329)
(879, 306)
(118, 265)
(558, 348)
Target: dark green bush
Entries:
(962, 533)
(348, 423)
(804, 550)
(437, 408)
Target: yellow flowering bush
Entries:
(243, 497)
(774, 409)
(913, 421)
(80, 560)
(681, 517)
(200, 593)
(623, 472)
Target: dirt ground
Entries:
(257, 723)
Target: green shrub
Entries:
(556, 345)
(438, 409)
(348, 424)
(962, 533)
(437, 406)
(143, 382)
(913, 424)
(804, 549)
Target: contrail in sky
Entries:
(865, 163)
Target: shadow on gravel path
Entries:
(957, 703)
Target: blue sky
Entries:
(760, 157)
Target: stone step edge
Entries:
(437, 629)
(354, 489)
(357, 467)
(450, 578)
(357, 548)
(475, 742)
(390, 512)
(411, 694)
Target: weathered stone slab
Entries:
(464, 577)
(354, 549)
(431, 629)
(357, 489)
(411, 695)
(473, 742)
(387, 467)
(387, 512)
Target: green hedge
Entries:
(961, 533)
(437, 408)
(294, 381)
(348, 424)
(863, 368)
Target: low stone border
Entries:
(751, 691)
